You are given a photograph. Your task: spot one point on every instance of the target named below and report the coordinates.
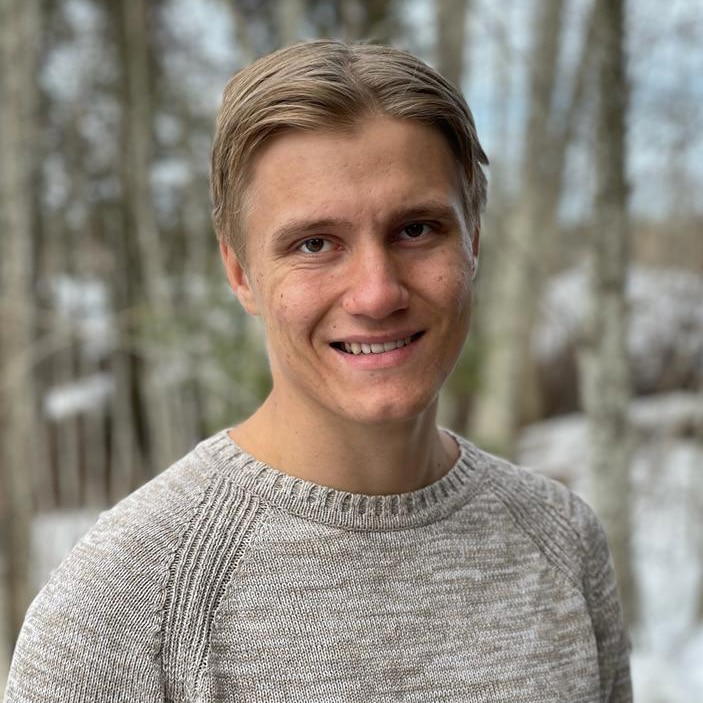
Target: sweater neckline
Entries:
(355, 511)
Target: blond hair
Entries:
(332, 85)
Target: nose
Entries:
(375, 287)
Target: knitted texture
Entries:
(225, 580)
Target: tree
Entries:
(451, 38)
(513, 289)
(605, 382)
(19, 47)
(161, 402)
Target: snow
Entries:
(665, 337)
(53, 535)
(674, 414)
(78, 396)
(677, 679)
(83, 304)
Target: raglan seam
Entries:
(583, 584)
(526, 477)
(261, 518)
(168, 578)
(545, 548)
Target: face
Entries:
(360, 264)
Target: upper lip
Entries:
(378, 338)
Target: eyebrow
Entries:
(297, 227)
(436, 209)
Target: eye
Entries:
(416, 229)
(314, 245)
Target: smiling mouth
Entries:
(375, 348)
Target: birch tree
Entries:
(512, 291)
(605, 382)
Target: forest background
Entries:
(121, 345)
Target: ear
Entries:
(475, 247)
(238, 278)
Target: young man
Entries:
(337, 545)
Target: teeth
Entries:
(361, 348)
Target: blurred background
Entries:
(121, 345)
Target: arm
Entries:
(92, 634)
(606, 614)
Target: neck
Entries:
(374, 459)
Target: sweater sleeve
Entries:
(92, 635)
(601, 592)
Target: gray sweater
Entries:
(224, 579)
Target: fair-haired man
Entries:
(337, 545)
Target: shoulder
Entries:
(570, 536)
(560, 523)
(136, 537)
(97, 623)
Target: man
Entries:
(337, 545)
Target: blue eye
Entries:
(415, 229)
(314, 245)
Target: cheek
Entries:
(453, 284)
(294, 308)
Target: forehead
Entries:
(381, 164)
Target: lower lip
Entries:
(385, 360)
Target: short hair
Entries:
(326, 84)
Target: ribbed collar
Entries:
(356, 511)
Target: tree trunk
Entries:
(512, 292)
(451, 38)
(164, 435)
(698, 509)
(450, 41)
(290, 15)
(19, 46)
(566, 124)
(379, 23)
(605, 381)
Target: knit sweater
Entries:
(224, 579)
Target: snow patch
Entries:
(665, 331)
(78, 396)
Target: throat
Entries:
(376, 460)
